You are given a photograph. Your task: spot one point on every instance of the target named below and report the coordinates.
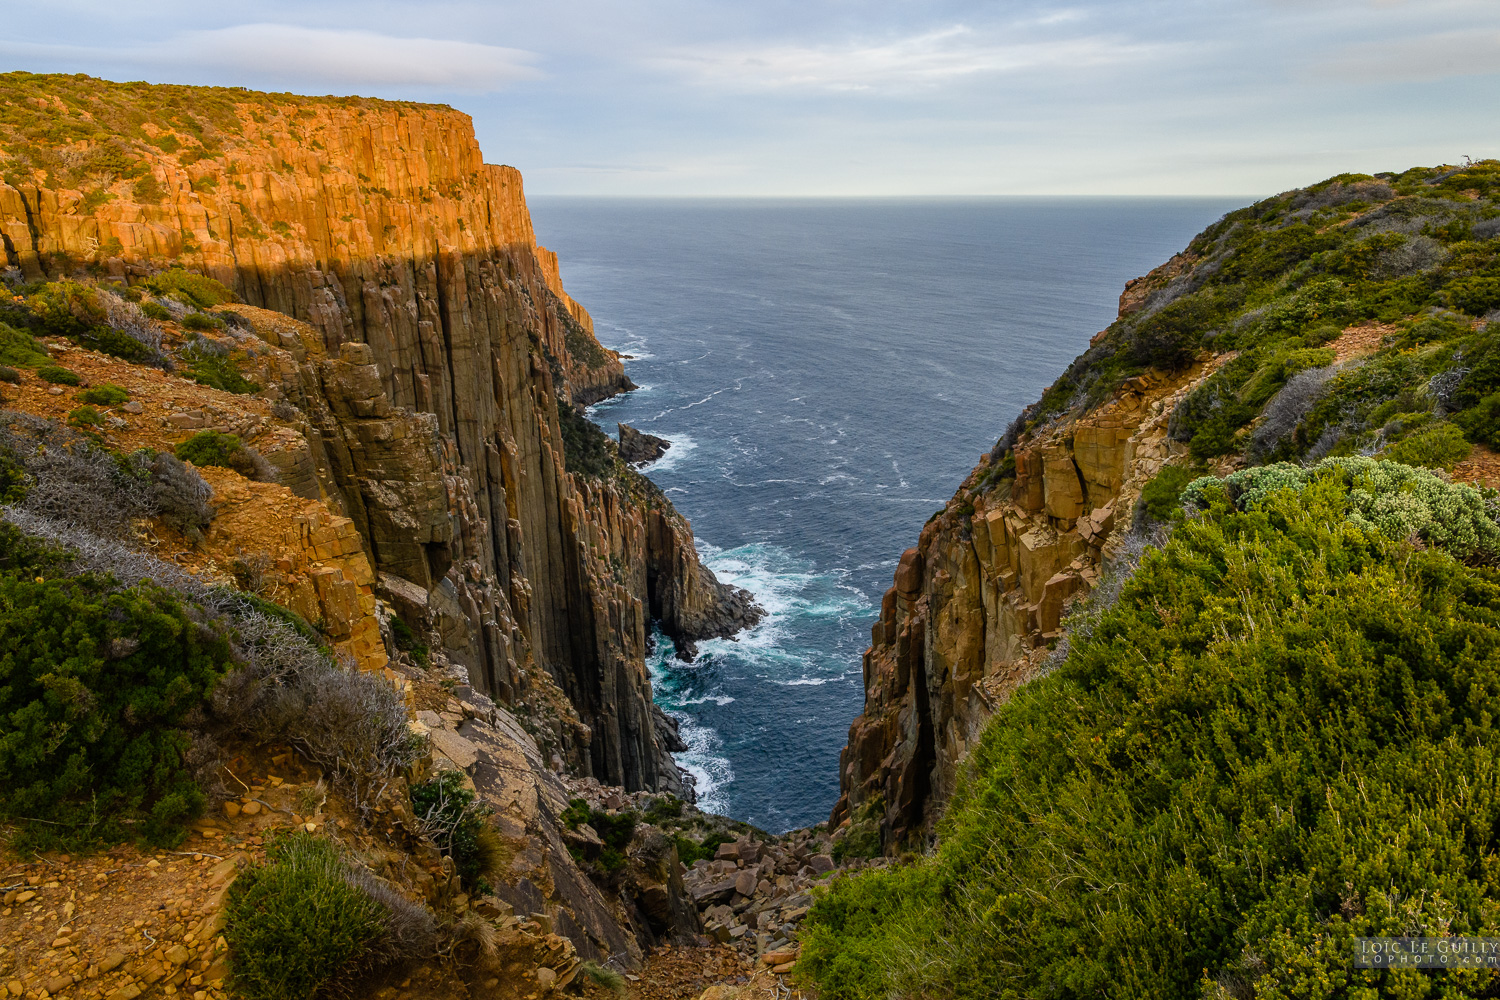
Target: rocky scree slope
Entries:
(428, 388)
(1354, 317)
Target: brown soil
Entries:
(159, 393)
(1358, 341)
(713, 973)
(1481, 468)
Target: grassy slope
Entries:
(1281, 735)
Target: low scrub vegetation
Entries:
(58, 375)
(210, 448)
(310, 916)
(96, 317)
(1279, 737)
(191, 288)
(99, 684)
(21, 349)
(124, 673)
(1415, 254)
(107, 394)
(615, 830)
(587, 450)
(461, 829)
(212, 364)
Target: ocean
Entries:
(828, 371)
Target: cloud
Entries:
(1429, 57)
(926, 59)
(316, 55)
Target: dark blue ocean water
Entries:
(828, 372)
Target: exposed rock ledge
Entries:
(639, 448)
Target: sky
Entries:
(853, 97)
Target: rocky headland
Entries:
(339, 314)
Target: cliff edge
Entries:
(1353, 317)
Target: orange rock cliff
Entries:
(418, 349)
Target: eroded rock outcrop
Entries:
(639, 448)
(977, 605)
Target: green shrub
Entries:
(460, 828)
(1162, 495)
(861, 841)
(209, 448)
(107, 394)
(690, 850)
(586, 449)
(1477, 295)
(297, 922)
(1481, 422)
(19, 349)
(212, 448)
(201, 321)
(96, 685)
(1397, 500)
(156, 311)
(663, 810)
(576, 814)
(202, 291)
(65, 308)
(615, 831)
(148, 190)
(15, 482)
(207, 364)
(1441, 446)
(1279, 738)
(116, 343)
(57, 376)
(8, 374)
(84, 417)
(406, 640)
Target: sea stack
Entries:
(641, 449)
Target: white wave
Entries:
(682, 446)
(806, 682)
(710, 769)
(718, 699)
(625, 341)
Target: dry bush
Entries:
(410, 931)
(1415, 256)
(72, 479)
(250, 571)
(469, 937)
(1287, 409)
(126, 317)
(75, 481)
(351, 724)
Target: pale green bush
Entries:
(1398, 500)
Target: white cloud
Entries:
(1429, 57)
(930, 58)
(360, 57)
(285, 52)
